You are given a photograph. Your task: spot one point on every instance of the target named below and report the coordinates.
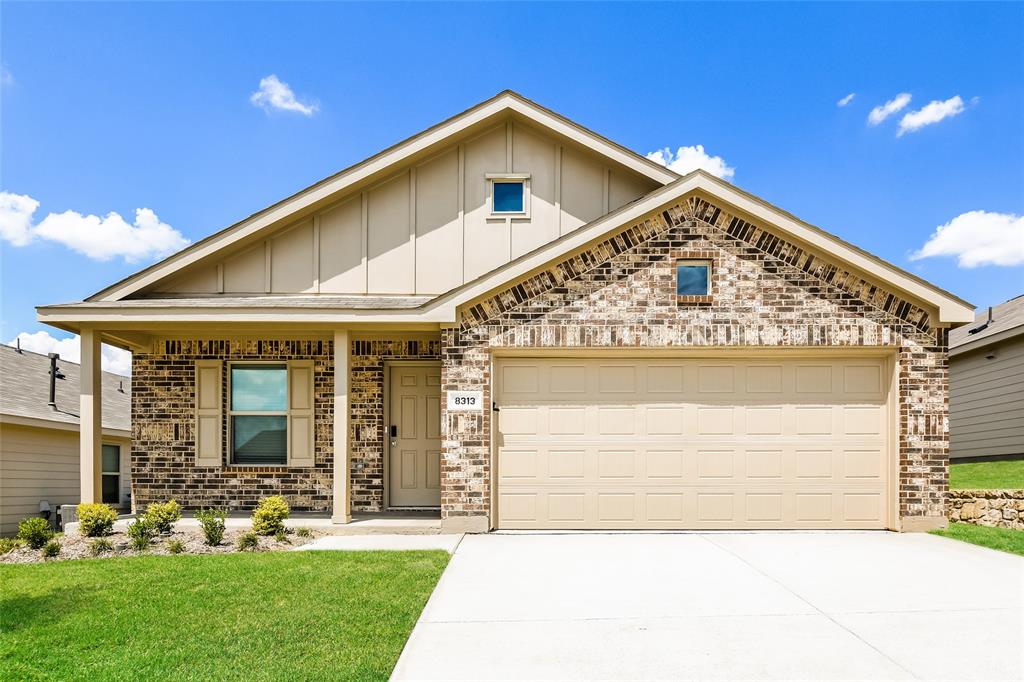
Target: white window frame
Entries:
(231, 412)
(493, 178)
(112, 473)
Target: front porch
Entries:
(340, 391)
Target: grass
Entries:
(987, 475)
(1004, 539)
(287, 615)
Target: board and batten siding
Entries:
(42, 464)
(427, 228)
(986, 401)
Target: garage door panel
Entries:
(658, 443)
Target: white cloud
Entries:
(114, 359)
(846, 100)
(276, 94)
(884, 111)
(978, 238)
(933, 112)
(686, 159)
(16, 217)
(98, 238)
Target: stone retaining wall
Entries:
(995, 508)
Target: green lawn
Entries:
(1005, 539)
(998, 474)
(284, 615)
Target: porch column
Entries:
(342, 512)
(90, 427)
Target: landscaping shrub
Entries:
(8, 545)
(281, 536)
(163, 515)
(175, 546)
(268, 519)
(34, 531)
(248, 542)
(51, 549)
(100, 545)
(95, 519)
(212, 521)
(303, 532)
(140, 533)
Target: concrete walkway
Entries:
(750, 606)
(448, 542)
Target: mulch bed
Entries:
(76, 546)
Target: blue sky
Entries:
(118, 107)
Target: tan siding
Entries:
(438, 228)
(342, 268)
(426, 228)
(246, 272)
(42, 464)
(487, 239)
(291, 263)
(986, 404)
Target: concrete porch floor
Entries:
(391, 523)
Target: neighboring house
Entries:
(520, 324)
(39, 441)
(986, 384)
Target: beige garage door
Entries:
(692, 443)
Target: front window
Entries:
(693, 278)
(111, 474)
(258, 411)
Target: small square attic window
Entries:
(509, 194)
(693, 278)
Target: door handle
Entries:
(393, 431)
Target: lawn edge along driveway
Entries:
(1002, 539)
(303, 615)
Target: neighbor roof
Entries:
(1007, 321)
(25, 393)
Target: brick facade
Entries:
(163, 422)
(620, 293)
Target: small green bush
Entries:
(51, 549)
(95, 519)
(212, 521)
(303, 532)
(268, 519)
(140, 534)
(281, 536)
(34, 531)
(8, 545)
(163, 516)
(175, 546)
(248, 542)
(100, 545)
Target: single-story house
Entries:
(518, 323)
(986, 384)
(39, 440)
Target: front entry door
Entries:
(414, 436)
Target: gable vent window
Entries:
(693, 278)
(508, 195)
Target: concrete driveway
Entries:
(798, 605)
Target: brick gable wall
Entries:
(620, 293)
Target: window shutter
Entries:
(208, 436)
(300, 413)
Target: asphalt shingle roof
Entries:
(1004, 316)
(25, 389)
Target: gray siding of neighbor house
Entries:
(986, 403)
